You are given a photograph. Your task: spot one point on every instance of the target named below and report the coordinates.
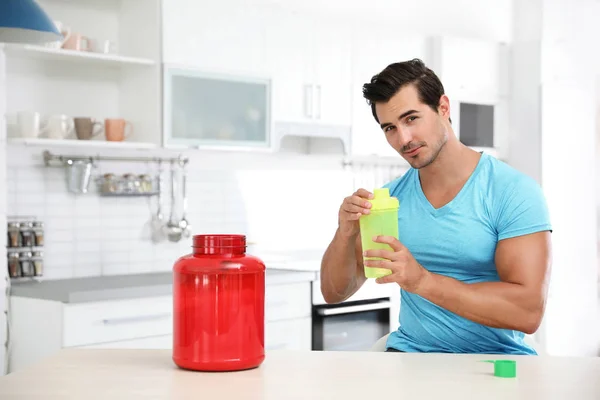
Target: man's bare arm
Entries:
(342, 268)
(517, 302)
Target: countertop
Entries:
(115, 287)
(151, 374)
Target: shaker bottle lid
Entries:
(504, 368)
(382, 200)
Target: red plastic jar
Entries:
(218, 306)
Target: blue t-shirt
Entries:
(459, 240)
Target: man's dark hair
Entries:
(388, 82)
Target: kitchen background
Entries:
(263, 98)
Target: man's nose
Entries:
(404, 137)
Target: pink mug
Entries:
(116, 130)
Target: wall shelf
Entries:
(82, 143)
(50, 54)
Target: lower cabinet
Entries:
(293, 334)
(143, 323)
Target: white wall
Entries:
(469, 18)
(3, 266)
(568, 98)
(553, 139)
(525, 78)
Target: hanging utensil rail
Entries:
(48, 157)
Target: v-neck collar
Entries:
(437, 212)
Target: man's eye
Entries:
(388, 128)
(411, 118)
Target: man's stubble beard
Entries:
(438, 148)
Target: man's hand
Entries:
(406, 271)
(351, 210)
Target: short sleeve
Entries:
(522, 209)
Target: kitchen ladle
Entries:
(184, 225)
(172, 228)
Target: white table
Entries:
(150, 374)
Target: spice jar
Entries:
(218, 303)
(27, 239)
(26, 263)
(14, 234)
(145, 183)
(38, 233)
(131, 184)
(37, 260)
(14, 267)
(109, 183)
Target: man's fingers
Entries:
(391, 241)
(364, 193)
(353, 209)
(380, 253)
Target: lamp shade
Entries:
(24, 21)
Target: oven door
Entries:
(350, 326)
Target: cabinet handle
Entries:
(358, 308)
(318, 107)
(139, 318)
(308, 99)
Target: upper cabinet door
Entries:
(290, 64)
(470, 69)
(208, 110)
(371, 56)
(223, 37)
(333, 73)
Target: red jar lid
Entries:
(219, 244)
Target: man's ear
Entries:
(444, 106)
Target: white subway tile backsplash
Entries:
(115, 269)
(59, 249)
(60, 210)
(140, 267)
(58, 273)
(56, 236)
(89, 234)
(88, 223)
(87, 246)
(35, 174)
(58, 198)
(87, 271)
(85, 258)
(56, 223)
(118, 246)
(109, 257)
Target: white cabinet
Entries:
(113, 321)
(224, 36)
(470, 69)
(370, 57)
(293, 334)
(113, 72)
(215, 110)
(309, 61)
(475, 76)
(39, 328)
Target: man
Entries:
(474, 251)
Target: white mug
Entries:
(29, 124)
(59, 126)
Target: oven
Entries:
(350, 325)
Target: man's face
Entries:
(412, 128)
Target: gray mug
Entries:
(84, 127)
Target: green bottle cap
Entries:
(382, 200)
(504, 368)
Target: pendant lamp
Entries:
(24, 21)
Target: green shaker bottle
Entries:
(382, 220)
